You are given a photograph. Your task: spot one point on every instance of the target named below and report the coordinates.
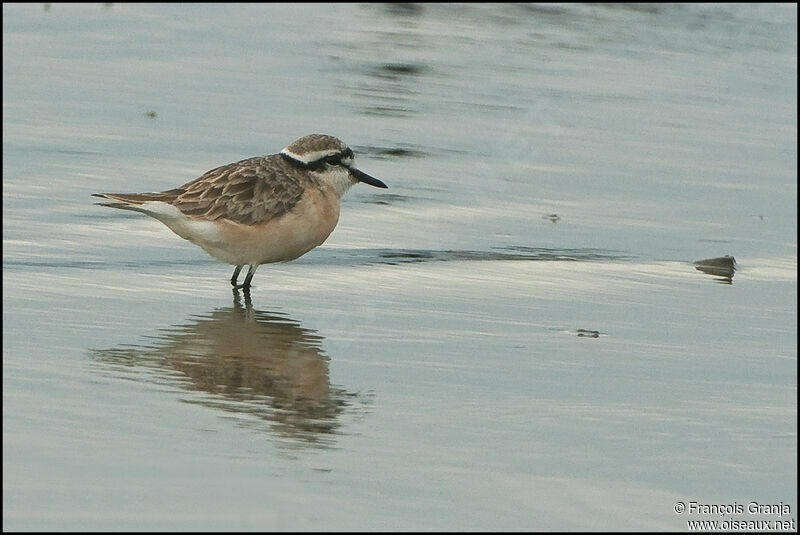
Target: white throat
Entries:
(338, 178)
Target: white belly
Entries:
(280, 239)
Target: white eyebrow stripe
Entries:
(310, 156)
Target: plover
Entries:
(260, 210)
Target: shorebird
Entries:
(260, 210)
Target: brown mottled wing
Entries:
(251, 191)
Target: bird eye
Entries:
(335, 159)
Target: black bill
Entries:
(366, 179)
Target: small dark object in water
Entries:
(551, 217)
(151, 114)
(402, 68)
(723, 266)
(401, 152)
(587, 333)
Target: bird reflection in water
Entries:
(251, 362)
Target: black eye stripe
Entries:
(332, 159)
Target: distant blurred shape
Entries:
(588, 333)
(400, 69)
(722, 267)
(403, 8)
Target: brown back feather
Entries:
(250, 191)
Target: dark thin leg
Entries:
(248, 278)
(236, 275)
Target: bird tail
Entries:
(132, 201)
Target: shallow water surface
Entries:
(534, 328)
